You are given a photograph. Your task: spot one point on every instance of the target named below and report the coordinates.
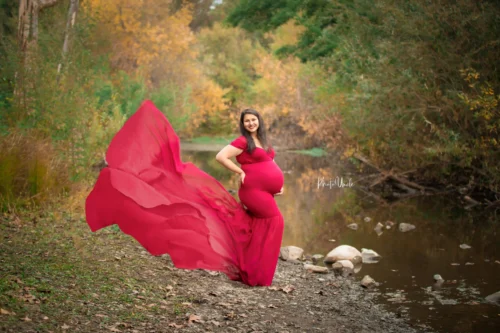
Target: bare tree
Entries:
(73, 9)
(27, 35)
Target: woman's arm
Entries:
(223, 157)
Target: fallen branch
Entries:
(390, 175)
(493, 204)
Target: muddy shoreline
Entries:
(298, 301)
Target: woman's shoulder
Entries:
(239, 142)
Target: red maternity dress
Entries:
(173, 207)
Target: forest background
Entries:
(411, 85)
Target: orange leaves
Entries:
(144, 33)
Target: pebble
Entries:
(438, 277)
(353, 226)
(405, 227)
(316, 269)
(368, 282)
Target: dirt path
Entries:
(56, 276)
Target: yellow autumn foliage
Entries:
(147, 39)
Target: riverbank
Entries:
(57, 276)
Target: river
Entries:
(316, 218)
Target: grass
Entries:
(55, 274)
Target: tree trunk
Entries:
(27, 35)
(73, 9)
(24, 22)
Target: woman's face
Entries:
(251, 123)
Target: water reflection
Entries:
(316, 216)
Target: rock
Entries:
(316, 269)
(438, 277)
(316, 257)
(465, 246)
(379, 227)
(348, 267)
(494, 298)
(353, 226)
(405, 227)
(291, 253)
(343, 252)
(469, 263)
(368, 282)
(342, 268)
(367, 219)
(389, 224)
(437, 285)
(346, 264)
(369, 256)
(337, 266)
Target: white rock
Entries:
(291, 253)
(494, 298)
(370, 256)
(343, 252)
(465, 246)
(438, 277)
(346, 264)
(379, 227)
(367, 219)
(353, 226)
(316, 269)
(404, 227)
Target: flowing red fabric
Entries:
(173, 207)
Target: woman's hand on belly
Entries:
(242, 177)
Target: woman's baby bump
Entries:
(266, 176)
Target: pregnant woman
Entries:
(173, 207)
(261, 179)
